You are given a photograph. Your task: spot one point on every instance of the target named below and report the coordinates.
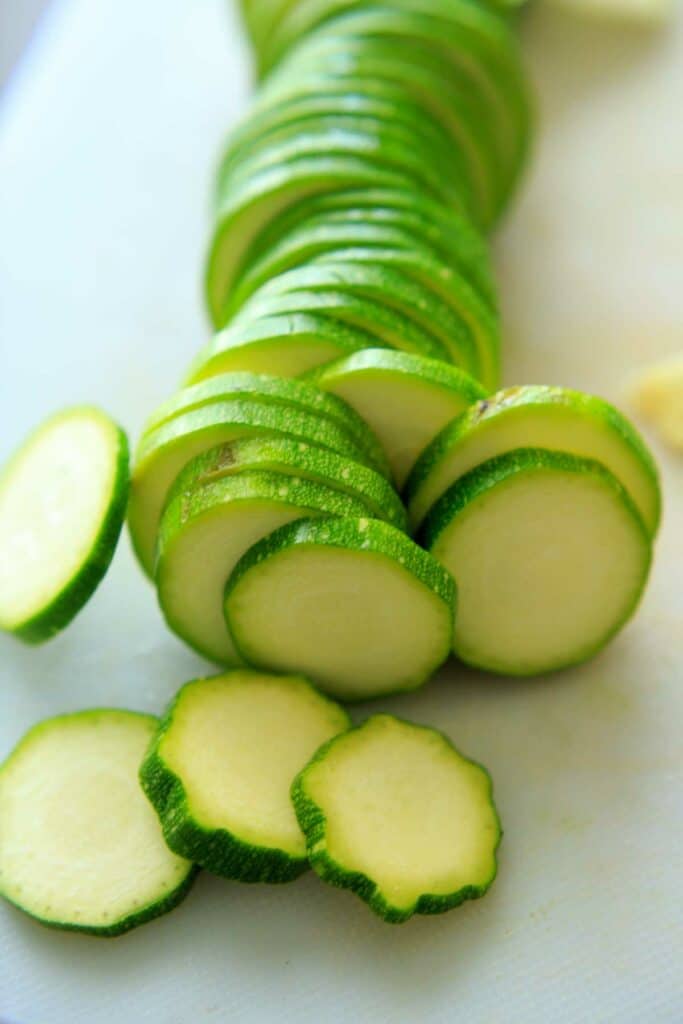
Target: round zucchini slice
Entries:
(290, 394)
(405, 399)
(353, 604)
(363, 307)
(393, 812)
(164, 451)
(286, 345)
(550, 557)
(80, 847)
(446, 231)
(205, 530)
(220, 767)
(540, 417)
(249, 207)
(62, 502)
(449, 336)
(302, 461)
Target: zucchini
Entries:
(393, 812)
(205, 530)
(365, 308)
(286, 345)
(219, 770)
(405, 399)
(448, 336)
(164, 451)
(541, 417)
(444, 230)
(550, 555)
(62, 503)
(302, 461)
(251, 205)
(290, 394)
(80, 847)
(353, 604)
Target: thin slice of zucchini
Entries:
(164, 451)
(539, 417)
(395, 813)
(550, 555)
(62, 503)
(290, 394)
(406, 399)
(286, 345)
(220, 767)
(206, 529)
(302, 461)
(352, 603)
(80, 847)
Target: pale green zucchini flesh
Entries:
(550, 556)
(62, 503)
(221, 765)
(405, 398)
(80, 847)
(353, 604)
(395, 813)
(204, 532)
(535, 416)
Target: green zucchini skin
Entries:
(314, 824)
(133, 920)
(217, 850)
(77, 592)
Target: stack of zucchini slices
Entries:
(356, 359)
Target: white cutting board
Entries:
(109, 134)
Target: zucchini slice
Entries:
(206, 529)
(436, 226)
(302, 461)
(450, 336)
(286, 345)
(550, 555)
(220, 767)
(80, 847)
(395, 813)
(406, 399)
(538, 417)
(62, 503)
(164, 451)
(353, 604)
(291, 394)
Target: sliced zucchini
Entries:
(541, 417)
(80, 847)
(286, 345)
(245, 212)
(62, 503)
(220, 767)
(364, 307)
(164, 451)
(300, 460)
(352, 603)
(438, 227)
(395, 813)
(406, 399)
(206, 529)
(296, 394)
(550, 555)
(449, 337)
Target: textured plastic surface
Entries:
(109, 135)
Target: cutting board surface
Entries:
(108, 137)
